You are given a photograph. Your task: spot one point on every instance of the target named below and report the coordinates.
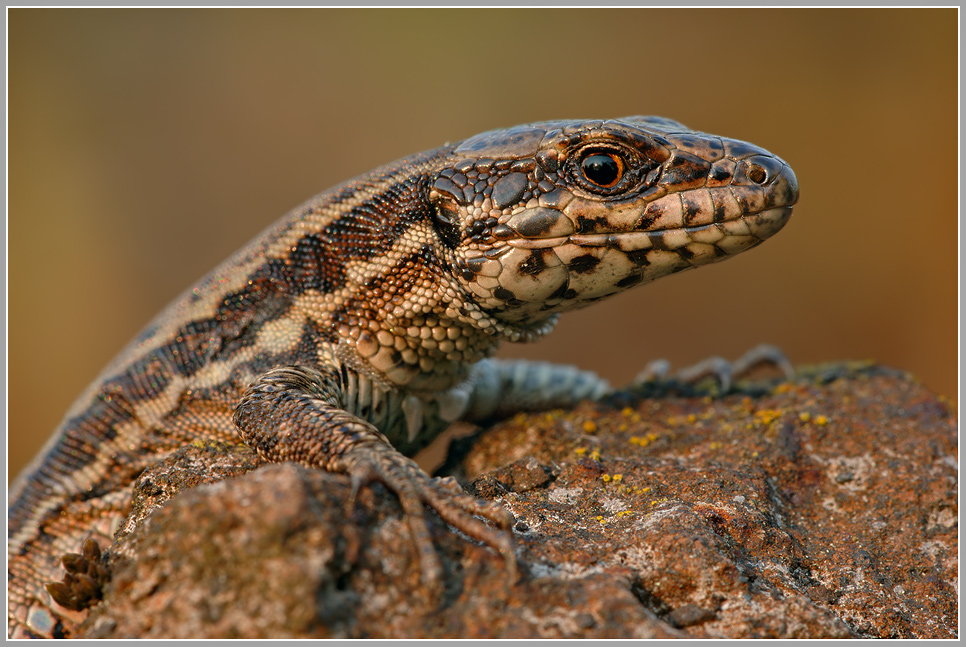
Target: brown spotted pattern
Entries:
(387, 295)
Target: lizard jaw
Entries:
(566, 272)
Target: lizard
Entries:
(354, 330)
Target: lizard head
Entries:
(552, 216)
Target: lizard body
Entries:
(358, 327)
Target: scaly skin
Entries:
(352, 332)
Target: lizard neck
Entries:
(404, 321)
(364, 266)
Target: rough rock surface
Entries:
(823, 507)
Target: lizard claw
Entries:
(361, 476)
(450, 483)
(723, 371)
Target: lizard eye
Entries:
(602, 168)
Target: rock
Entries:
(824, 507)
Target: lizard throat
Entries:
(528, 278)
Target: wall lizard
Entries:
(353, 331)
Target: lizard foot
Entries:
(723, 371)
(295, 413)
(83, 584)
(416, 490)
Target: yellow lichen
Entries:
(767, 416)
(645, 441)
(627, 412)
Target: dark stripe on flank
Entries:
(367, 231)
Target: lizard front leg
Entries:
(296, 414)
(502, 388)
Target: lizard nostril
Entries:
(757, 174)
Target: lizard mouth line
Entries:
(764, 223)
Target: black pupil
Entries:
(601, 169)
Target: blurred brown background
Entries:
(147, 145)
